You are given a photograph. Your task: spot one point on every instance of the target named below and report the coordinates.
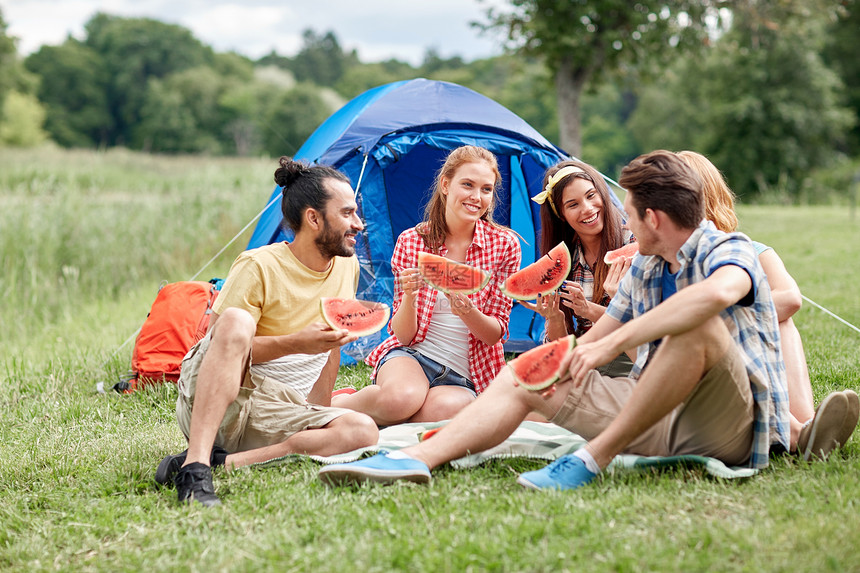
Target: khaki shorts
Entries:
(715, 420)
(265, 412)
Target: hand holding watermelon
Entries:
(354, 317)
(460, 304)
(450, 276)
(411, 281)
(542, 367)
(548, 307)
(628, 251)
(317, 338)
(615, 274)
(590, 355)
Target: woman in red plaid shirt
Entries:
(576, 208)
(444, 349)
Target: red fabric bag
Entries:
(179, 318)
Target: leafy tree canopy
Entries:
(761, 104)
(74, 91)
(134, 50)
(8, 55)
(584, 41)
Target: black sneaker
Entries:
(194, 483)
(169, 466)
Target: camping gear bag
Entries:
(179, 318)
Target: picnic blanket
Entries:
(533, 440)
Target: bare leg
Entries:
(800, 399)
(487, 421)
(346, 433)
(443, 403)
(218, 381)
(400, 390)
(678, 365)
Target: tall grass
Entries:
(79, 226)
(85, 239)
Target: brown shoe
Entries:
(822, 435)
(851, 416)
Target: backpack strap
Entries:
(126, 384)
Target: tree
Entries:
(8, 57)
(608, 143)
(74, 91)
(519, 84)
(181, 113)
(242, 106)
(290, 117)
(21, 114)
(321, 60)
(433, 62)
(585, 41)
(359, 78)
(135, 50)
(840, 54)
(21, 119)
(762, 105)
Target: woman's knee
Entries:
(444, 405)
(401, 402)
(402, 390)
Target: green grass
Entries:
(76, 488)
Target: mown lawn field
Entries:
(85, 240)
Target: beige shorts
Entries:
(265, 412)
(715, 420)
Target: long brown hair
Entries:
(555, 229)
(719, 199)
(434, 229)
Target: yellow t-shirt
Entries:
(280, 292)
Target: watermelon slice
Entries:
(428, 434)
(543, 366)
(627, 250)
(360, 317)
(541, 277)
(449, 276)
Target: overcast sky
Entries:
(378, 29)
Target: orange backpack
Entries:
(179, 318)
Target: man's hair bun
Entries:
(289, 171)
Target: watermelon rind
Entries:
(540, 278)
(627, 250)
(543, 366)
(359, 317)
(437, 271)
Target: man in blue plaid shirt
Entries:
(708, 379)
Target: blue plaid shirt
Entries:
(752, 322)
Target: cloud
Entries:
(377, 29)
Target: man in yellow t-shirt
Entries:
(258, 386)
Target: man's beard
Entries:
(333, 244)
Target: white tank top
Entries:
(300, 371)
(447, 340)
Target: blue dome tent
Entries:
(390, 141)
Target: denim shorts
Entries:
(437, 374)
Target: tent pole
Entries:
(361, 174)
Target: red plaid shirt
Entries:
(493, 250)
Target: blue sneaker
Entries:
(567, 472)
(380, 468)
